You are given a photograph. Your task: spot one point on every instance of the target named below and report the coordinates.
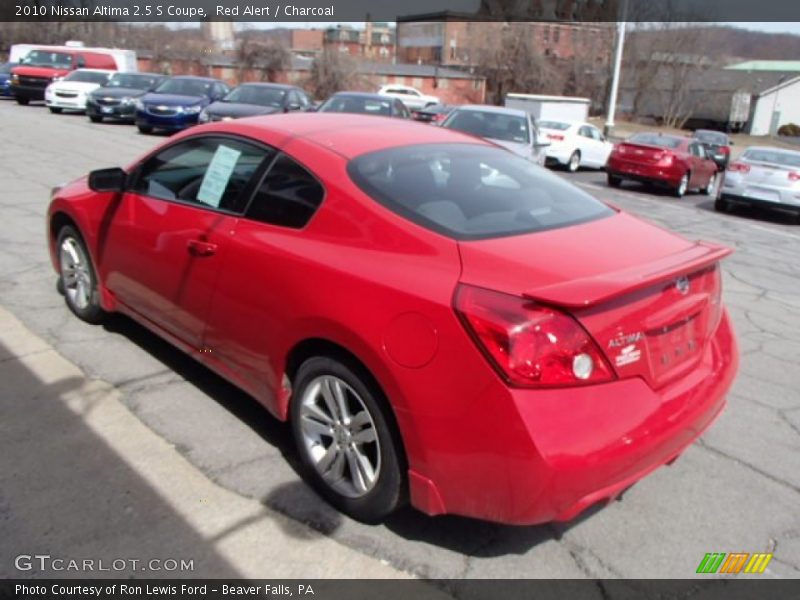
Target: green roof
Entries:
(766, 65)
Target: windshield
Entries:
(711, 137)
(262, 96)
(775, 157)
(134, 81)
(364, 105)
(654, 139)
(436, 109)
(87, 77)
(558, 125)
(185, 87)
(470, 191)
(495, 126)
(44, 58)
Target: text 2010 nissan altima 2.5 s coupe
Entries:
(438, 319)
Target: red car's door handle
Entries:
(200, 248)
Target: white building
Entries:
(776, 106)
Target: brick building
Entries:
(298, 40)
(375, 42)
(450, 85)
(447, 39)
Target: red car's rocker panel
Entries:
(527, 376)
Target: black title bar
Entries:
(700, 588)
(398, 10)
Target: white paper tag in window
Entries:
(218, 175)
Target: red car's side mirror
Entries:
(108, 180)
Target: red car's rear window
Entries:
(470, 191)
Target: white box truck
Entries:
(550, 108)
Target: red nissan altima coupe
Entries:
(439, 320)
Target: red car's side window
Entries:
(210, 172)
(289, 195)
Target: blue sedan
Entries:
(177, 102)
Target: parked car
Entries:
(71, 92)
(5, 79)
(411, 97)
(177, 103)
(116, 100)
(44, 64)
(678, 163)
(362, 103)
(435, 113)
(575, 144)
(437, 318)
(717, 144)
(256, 99)
(511, 128)
(763, 176)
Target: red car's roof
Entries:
(346, 134)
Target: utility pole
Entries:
(612, 100)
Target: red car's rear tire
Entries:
(613, 180)
(711, 186)
(683, 186)
(346, 439)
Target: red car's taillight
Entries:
(738, 167)
(665, 159)
(529, 344)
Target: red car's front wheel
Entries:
(77, 278)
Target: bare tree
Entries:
(267, 58)
(664, 63)
(332, 72)
(506, 55)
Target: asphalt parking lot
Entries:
(737, 490)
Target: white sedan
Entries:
(411, 97)
(575, 145)
(70, 93)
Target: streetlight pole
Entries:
(612, 100)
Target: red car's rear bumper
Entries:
(627, 169)
(546, 455)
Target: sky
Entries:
(771, 27)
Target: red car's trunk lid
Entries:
(641, 153)
(650, 299)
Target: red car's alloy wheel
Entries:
(78, 280)
(344, 437)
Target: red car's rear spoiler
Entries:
(579, 293)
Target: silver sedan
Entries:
(763, 176)
(512, 128)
